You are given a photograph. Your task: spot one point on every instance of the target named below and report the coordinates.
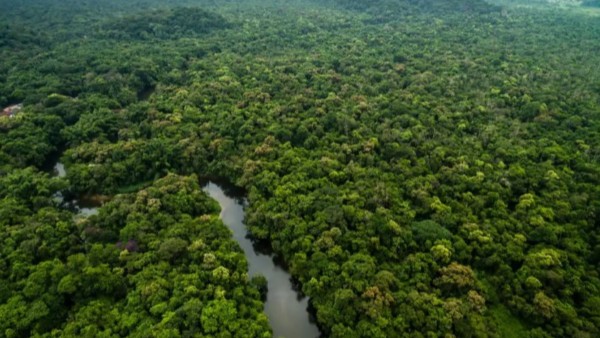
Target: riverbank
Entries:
(287, 310)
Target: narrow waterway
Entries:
(286, 308)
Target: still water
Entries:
(84, 206)
(286, 308)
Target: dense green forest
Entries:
(425, 168)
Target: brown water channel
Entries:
(286, 308)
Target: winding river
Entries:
(286, 308)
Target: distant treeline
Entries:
(424, 168)
(440, 6)
(165, 24)
(591, 3)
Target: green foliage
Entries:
(165, 24)
(424, 168)
(159, 286)
(591, 3)
(508, 325)
(429, 231)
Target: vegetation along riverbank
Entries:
(424, 168)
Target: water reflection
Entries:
(85, 206)
(59, 170)
(285, 307)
